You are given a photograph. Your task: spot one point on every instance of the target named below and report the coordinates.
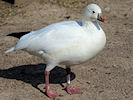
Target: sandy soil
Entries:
(108, 76)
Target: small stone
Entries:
(88, 82)
(67, 17)
(108, 73)
(125, 15)
(101, 91)
(61, 95)
(113, 65)
(107, 9)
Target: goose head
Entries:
(92, 13)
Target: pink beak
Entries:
(100, 18)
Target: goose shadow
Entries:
(18, 34)
(9, 1)
(34, 75)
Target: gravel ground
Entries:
(108, 76)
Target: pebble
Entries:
(67, 17)
(113, 65)
(107, 9)
(88, 82)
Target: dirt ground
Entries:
(108, 76)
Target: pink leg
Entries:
(49, 93)
(68, 87)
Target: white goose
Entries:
(68, 43)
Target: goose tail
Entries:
(10, 50)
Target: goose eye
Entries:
(93, 12)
